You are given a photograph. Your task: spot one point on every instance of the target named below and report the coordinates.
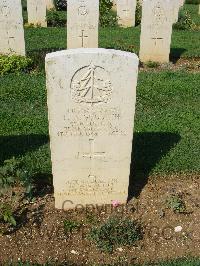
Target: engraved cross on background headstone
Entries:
(9, 45)
(83, 36)
(9, 37)
(155, 39)
(127, 12)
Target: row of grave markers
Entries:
(158, 17)
(126, 10)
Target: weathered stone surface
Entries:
(126, 12)
(114, 7)
(156, 30)
(11, 28)
(37, 12)
(91, 103)
(82, 23)
(176, 4)
(50, 4)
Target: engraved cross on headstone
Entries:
(92, 154)
(83, 36)
(9, 45)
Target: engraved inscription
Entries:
(92, 122)
(91, 185)
(159, 19)
(91, 85)
(159, 14)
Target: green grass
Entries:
(169, 102)
(166, 130)
(193, 10)
(42, 39)
(184, 43)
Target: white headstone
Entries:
(11, 28)
(50, 4)
(82, 23)
(37, 12)
(126, 12)
(156, 30)
(91, 103)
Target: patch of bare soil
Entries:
(187, 64)
(167, 233)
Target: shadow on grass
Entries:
(147, 150)
(14, 146)
(38, 56)
(175, 54)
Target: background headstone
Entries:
(37, 12)
(156, 30)
(176, 7)
(82, 23)
(126, 12)
(11, 28)
(182, 2)
(50, 4)
(114, 7)
(91, 103)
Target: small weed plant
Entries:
(114, 233)
(12, 172)
(176, 203)
(70, 226)
(152, 64)
(6, 214)
(9, 173)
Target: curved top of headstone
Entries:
(91, 51)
